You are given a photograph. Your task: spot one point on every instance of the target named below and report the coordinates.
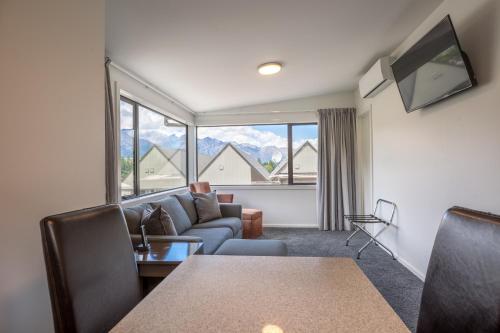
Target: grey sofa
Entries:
(183, 213)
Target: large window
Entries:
(258, 154)
(153, 153)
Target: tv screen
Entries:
(433, 69)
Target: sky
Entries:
(152, 126)
(151, 123)
(262, 135)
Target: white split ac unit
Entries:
(378, 77)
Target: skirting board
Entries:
(408, 266)
(412, 269)
(290, 226)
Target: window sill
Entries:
(152, 197)
(264, 187)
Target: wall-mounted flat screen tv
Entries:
(433, 69)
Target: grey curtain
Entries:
(112, 180)
(336, 167)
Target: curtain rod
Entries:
(152, 87)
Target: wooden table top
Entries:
(265, 295)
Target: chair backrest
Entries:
(462, 287)
(204, 187)
(200, 187)
(91, 269)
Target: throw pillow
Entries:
(158, 222)
(187, 202)
(207, 206)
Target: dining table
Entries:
(216, 293)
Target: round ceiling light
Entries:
(269, 68)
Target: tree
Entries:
(127, 166)
(269, 165)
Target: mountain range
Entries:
(206, 146)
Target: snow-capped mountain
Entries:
(211, 146)
(206, 146)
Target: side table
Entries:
(161, 259)
(252, 223)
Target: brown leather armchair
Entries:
(204, 187)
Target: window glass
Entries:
(241, 155)
(126, 148)
(305, 153)
(153, 151)
(162, 152)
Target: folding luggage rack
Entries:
(358, 223)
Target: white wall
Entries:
(137, 89)
(281, 205)
(299, 110)
(52, 139)
(449, 153)
(132, 86)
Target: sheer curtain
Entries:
(336, 167)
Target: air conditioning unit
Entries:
(378, 77)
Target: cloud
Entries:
(242, 135)
(151, 124)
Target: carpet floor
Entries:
(401, 288)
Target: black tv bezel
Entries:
(468, 67)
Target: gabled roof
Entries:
(169, 154)
(249, 159)
(284, 162)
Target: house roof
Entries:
(248, 158)
(284, 162)
(203, 161)
(169, 154)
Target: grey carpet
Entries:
(401, 288)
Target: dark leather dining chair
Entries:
(462, 287)
(91, 269)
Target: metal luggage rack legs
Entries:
(358, 223)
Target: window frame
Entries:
(290, 154)
(136, 159)
(289, 157)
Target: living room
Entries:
(132, 107)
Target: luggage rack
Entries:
(358, 223)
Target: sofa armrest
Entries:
(230, 210)
(136, 239)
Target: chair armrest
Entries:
(225, 197)
(136, 239)
(230, 210)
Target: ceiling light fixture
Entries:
(269, 68)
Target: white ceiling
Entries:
(205, 53)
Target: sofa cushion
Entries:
(133, 216)
(176, 212)
(253, 247)
(212, 237)
(233, 223)
(207, 206)
(187, 202)
(158, 222)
